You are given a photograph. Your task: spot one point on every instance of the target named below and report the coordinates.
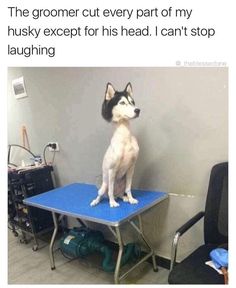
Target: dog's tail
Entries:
(119, 187)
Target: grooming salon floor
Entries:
(28, 267)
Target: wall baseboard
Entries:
(161, 261)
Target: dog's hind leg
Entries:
(129, 176)
(111, 175)
(101, 192)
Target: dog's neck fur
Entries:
(122, 128)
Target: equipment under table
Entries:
(74, 200)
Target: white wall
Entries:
(182, 132)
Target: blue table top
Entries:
(74, 200)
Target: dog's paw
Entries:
(125, 199)
(133, 201)
(114, 204)
(94, 202)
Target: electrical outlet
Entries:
(53, 143)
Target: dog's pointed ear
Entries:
(129, 89)
(110, 92)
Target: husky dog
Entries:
(120, 157)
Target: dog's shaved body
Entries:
(120, 157)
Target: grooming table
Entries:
(74, 200)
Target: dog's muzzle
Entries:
(137, 112)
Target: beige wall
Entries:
(182, 132)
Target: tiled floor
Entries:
(28, 267)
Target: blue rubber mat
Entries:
(74, 200)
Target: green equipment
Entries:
(82, 241)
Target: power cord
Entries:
(51, 145)
(16, 145)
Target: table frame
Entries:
(118, 235)
(114, 227)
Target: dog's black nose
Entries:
(137, 111)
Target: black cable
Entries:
(9, 153)
(53, 146)
(53, 157)
(11, 164)
(44, 156)
(16, 145)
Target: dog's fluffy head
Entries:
(118, 105)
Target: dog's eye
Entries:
(122, 103)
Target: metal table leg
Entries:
(154, 264)
(118, 262)
(117, 234)
(52, 262)
(140, 231)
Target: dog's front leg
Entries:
(129, 177)
(101, 192)
(112, 175)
